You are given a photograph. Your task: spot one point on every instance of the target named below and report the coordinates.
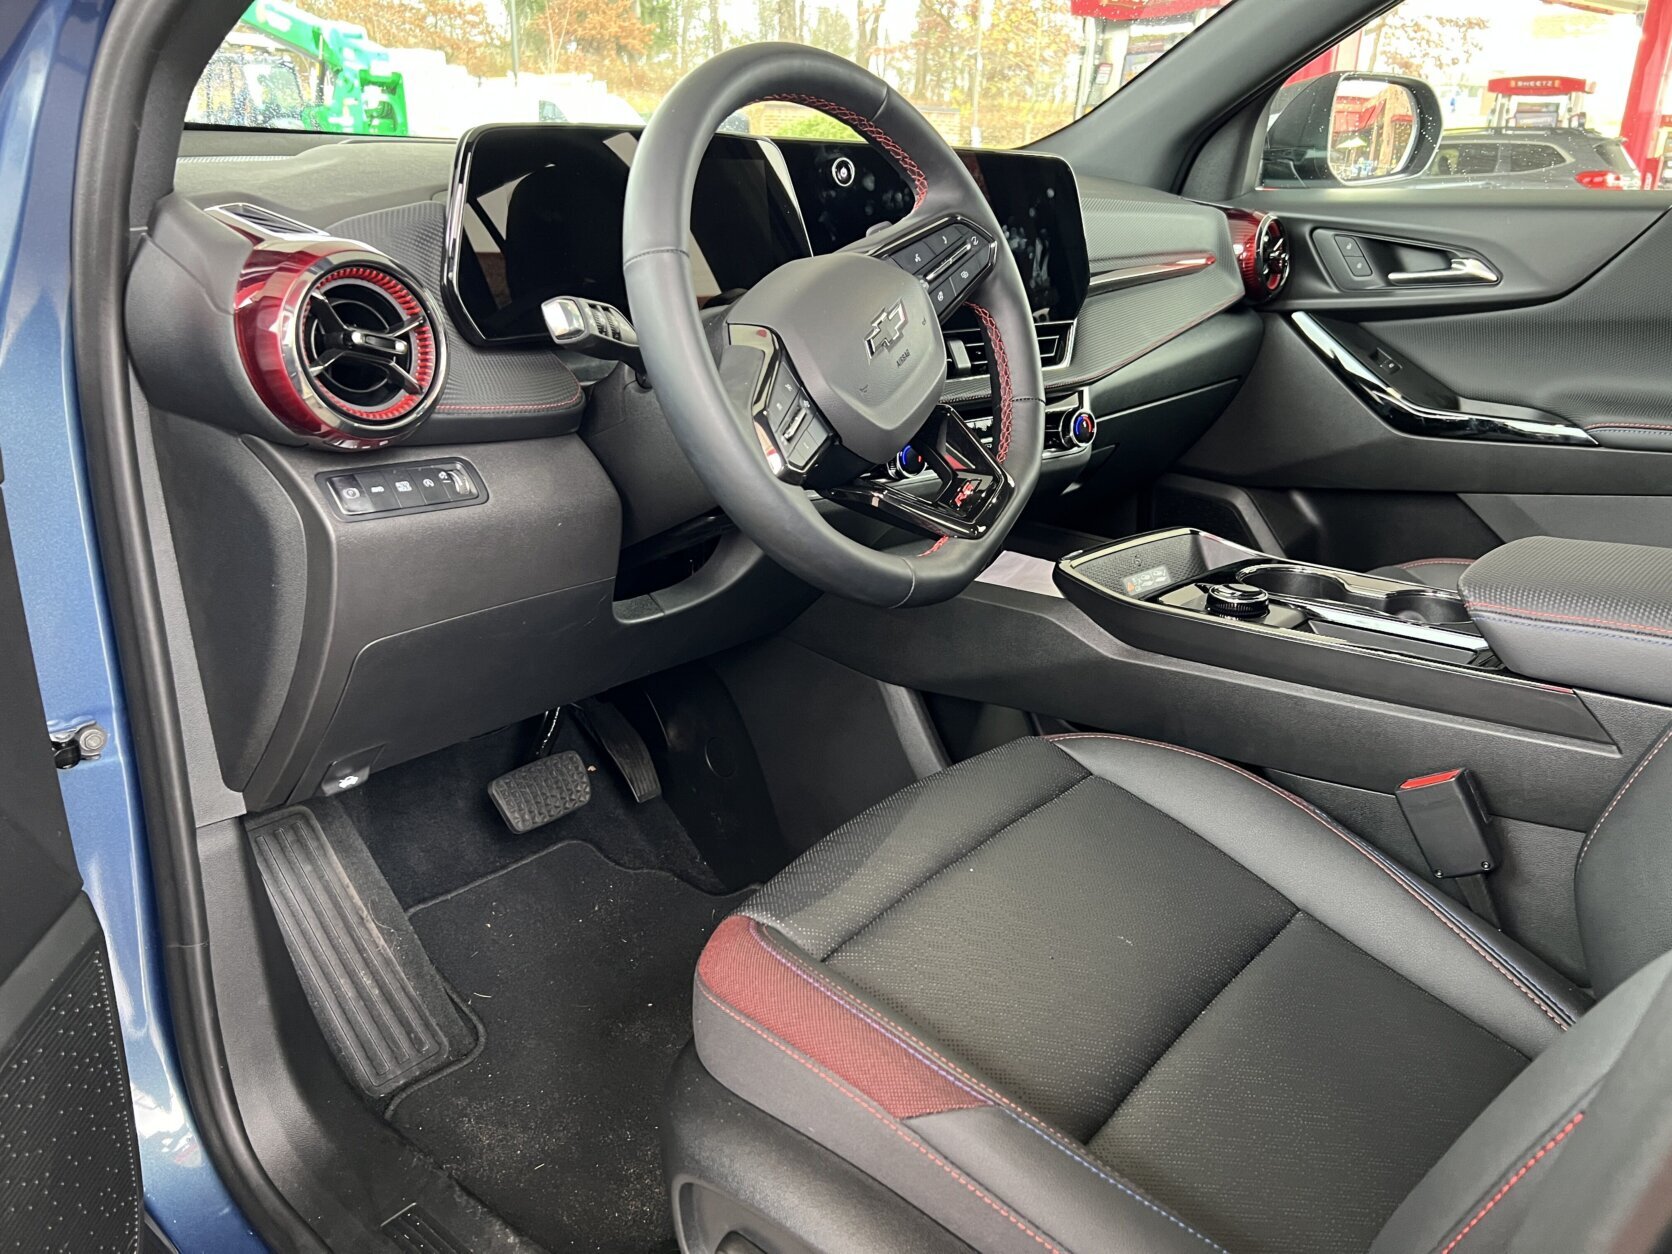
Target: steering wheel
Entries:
(830, 366)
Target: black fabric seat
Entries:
(1104, 994)
(1433, 572)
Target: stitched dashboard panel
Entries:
(1117, 328)
(481, 383)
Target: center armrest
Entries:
(1586, 613)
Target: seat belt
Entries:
(1448, 818)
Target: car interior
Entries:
(755, 696)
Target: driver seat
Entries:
(1104, 994)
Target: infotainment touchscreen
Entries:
(846, 189)
(535, 212)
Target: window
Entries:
(1525, 158)
(993, 73)
(1532, 94)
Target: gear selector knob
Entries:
(1236, 600)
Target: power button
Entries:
(350, 497)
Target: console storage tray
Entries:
(1335, 629)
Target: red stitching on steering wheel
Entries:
(873, 132)
(1001, 366)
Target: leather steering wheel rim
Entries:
(721, 442)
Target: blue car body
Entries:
(46, 56)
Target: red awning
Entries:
(1538, 85)
(1132, 10)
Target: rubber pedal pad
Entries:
(542, 792)
(609, 727)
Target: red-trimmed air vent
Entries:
(1262, 251)
(340, 343)
(367, 344)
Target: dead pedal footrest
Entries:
(541, 792)
(388, 1021)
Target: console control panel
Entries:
(402, 488)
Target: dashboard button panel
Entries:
(402, 488)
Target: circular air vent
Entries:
(367, 344)
(1262, 251)
(340, 343)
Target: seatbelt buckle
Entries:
(1447, 816)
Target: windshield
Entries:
(992, 73)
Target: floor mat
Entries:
(431, 827)
(580, 972)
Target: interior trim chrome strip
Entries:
(1405, 414)
(1150, 272)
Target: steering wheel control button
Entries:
(1236, 600)
(916, 257)
(808, 444)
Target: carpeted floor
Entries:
(580, 972)
(431, 828)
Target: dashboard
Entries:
(534, 212)
(402, 517)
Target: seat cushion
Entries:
(1107, 994)
(1434, 572)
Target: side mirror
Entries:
(1347, 128)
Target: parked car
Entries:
(1564, 159)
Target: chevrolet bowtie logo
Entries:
(886, 329)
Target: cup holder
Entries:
(1295, 581)
(1421, 605)
(1413, 604)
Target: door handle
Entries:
(1463, 272)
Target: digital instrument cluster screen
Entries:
(535, 212)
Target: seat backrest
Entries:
(1573, 1155)
(1623, 880)
(1576, 1153)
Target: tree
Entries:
(831, 31)
(1426, 45)
(943, 48)
(781, 19)
(867, 26)
(1017, 80)
(459, 29)
(578, 33)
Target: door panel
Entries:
(1295, 424)
(69, 1163)
(1599, 355)
(1543, 244)
(1576, 333)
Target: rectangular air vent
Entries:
(1053, 347)
(268, 221)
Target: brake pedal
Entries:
(615, 736)
(542, 792)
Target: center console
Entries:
(1188, 594)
